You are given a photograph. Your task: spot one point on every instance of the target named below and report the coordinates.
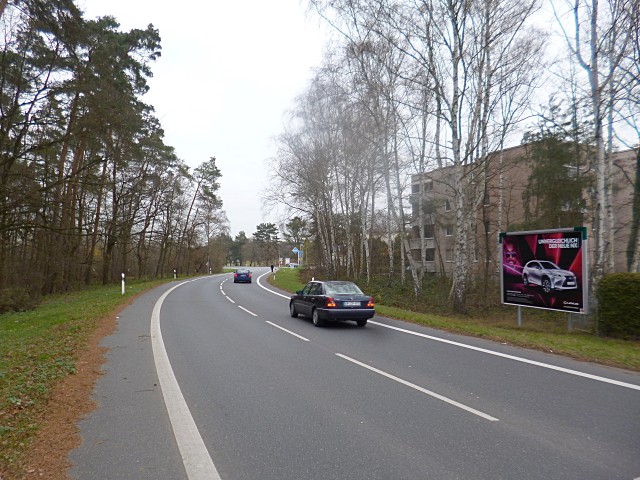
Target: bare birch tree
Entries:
(323, 167)
(600, 42)
(470, 51)
(630, 115)
(470, 55)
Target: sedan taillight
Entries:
(330, 302)
(370, 303)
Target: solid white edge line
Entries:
(229, 298)
(195, 457)
(513, 357)
(248, 311)
(288, 331)
(491, 352)
(420, 389)
(268, 289)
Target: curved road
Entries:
(261, 395)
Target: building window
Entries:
(448, 255)
(429, 255)
(447, 206)
(448, 230)
(429, 230)
(428, 207)
(573, 171)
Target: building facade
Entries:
(506, 193)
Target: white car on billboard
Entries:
(548, 275)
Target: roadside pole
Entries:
(519, 316)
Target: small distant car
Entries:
(548, 275)
(332, 301)
(242, 275)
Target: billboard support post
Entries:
(519, 316)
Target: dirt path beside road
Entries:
(71, 400)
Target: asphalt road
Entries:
(261, 395)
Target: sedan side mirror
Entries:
(298, 292)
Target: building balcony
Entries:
(428, 243)
(429, 267)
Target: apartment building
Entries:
(502, 200)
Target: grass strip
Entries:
(38, 349)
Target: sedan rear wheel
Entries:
(292, 310)
(317, 321)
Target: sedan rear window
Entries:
(342, 287)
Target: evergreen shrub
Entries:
(619, 306)
(16, 299)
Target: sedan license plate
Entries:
(351, 304)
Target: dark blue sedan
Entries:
(331, 301)
(242, 275)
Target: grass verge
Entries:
(287, 279)
(38, 349)
(537, 333)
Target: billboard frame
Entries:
(557, 246)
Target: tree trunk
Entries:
(460, 266)
(633, 245)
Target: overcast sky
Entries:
(228, 72)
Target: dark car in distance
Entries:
(242, 275)
(332, 301)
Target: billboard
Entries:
(545, 269)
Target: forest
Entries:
(89, 189)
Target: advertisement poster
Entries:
(545, 269)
